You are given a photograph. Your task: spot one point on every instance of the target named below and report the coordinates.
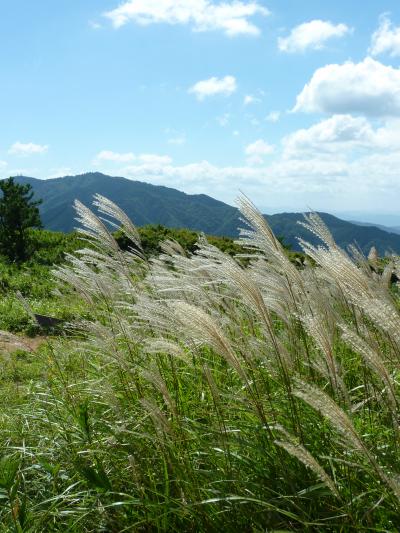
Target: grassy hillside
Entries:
(198, 394)
(33, 278)
(150, 204)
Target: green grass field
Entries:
(199, 392)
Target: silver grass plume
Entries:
(373, 360)
(337, 265)
(164, 346)
(373, 256)
(199, 325)
(189, 278)
(260, 237)
(171, 247)
(94, 228)
(107, 207)
(231, 272)
(160, 421)
(314, 224)
(305, 457)
(383, 313)
(386, 276)
(324, 404)
(153, 376)
(323, 334)
(26, 306)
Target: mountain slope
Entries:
(388, 229)
(344, 232)
(144, 203)
(151, 204)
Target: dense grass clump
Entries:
(208, 393)
(33, 280)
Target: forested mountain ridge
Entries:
(143, 202)
(154, 204)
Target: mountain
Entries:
(388, 229)
(344, 233)
(143, 202)
(153, 204)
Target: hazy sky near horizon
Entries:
(297, 104)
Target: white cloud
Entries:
(338, 134)
(311, 35)
(108, 155)
(306, 181)
(368, 88)
(25, 149)
(343, 137)
(250, 99)
(257, 151)
(335, 164)
(273, 116)
(233, 18)
(214, 86)
(386, 39)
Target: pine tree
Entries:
(18, 213)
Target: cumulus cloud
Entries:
(214, 86)
(25, 149)
(232, 18)
(386, 39)
(257, 151)
(331, 165)
(309, 181)
(343, 137)
(338, 134)
(311, 35)
(367, 88)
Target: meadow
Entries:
(200, 385)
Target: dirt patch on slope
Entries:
(10, 343)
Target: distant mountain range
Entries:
(154, 204)
(389, 229)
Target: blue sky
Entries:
(297, 104)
